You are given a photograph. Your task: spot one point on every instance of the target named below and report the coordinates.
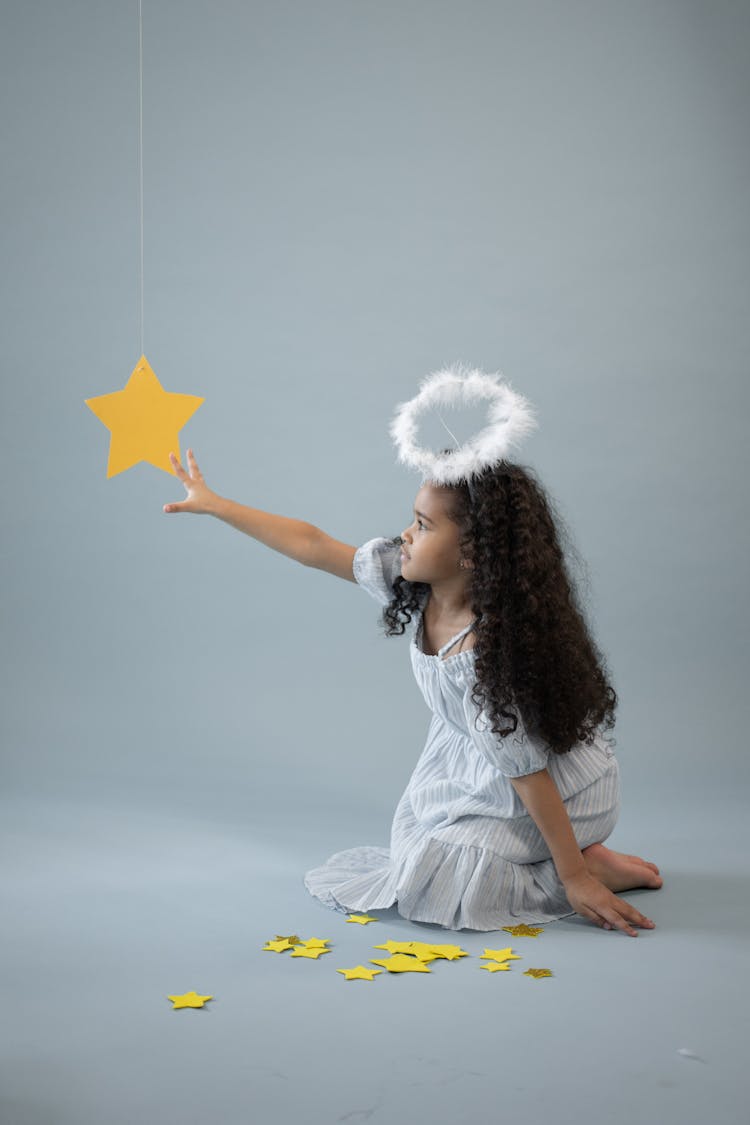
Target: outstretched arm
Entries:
(302, 541)
(586, 894)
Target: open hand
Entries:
(589, 897)
(199, 495)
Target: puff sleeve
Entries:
(376, 565)
(515, 755)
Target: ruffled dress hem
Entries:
(452, 888)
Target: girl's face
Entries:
(430, 551)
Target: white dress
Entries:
(464, 853)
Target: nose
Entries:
(405, 536)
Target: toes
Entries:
(644, 863)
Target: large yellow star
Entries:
(144, 420)
(189, 1000)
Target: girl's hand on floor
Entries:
(589, 897)
(199, 495)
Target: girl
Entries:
(505, 815)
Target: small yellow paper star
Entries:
(359, 972)
(315, 943)
(424, 950)
(314, 953)
(501, 954)
(402, 963)
(523, 930)
(144, 420)
(363, 919)
(395, 946)
(189, 1000)
(449, 952)
(494, 967)
(538, 973)
(292, 938)
(278, 946)
(416, 948)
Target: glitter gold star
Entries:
(144, 420)
(538, 973)
(363, 919)
(189, 1000)
(401, 963)
(523, 930)
(359, 972)
(292, 938)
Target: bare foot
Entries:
(620, 872)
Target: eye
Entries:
(421, 526)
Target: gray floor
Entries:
(107, 911)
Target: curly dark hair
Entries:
(533, 649)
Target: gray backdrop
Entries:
(340, 198)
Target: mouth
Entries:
(404, 556)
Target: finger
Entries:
(606, 915)
(621, 923)
(177, 506)
(194, 470)
(641, 920)
(178, 467)
(633, 915)
(594, 917)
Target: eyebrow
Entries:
(423, 516)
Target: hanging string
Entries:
(140, 156)
(449, 431)
(472, 496)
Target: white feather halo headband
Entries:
(509, 419)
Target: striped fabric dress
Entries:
(464, 853)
